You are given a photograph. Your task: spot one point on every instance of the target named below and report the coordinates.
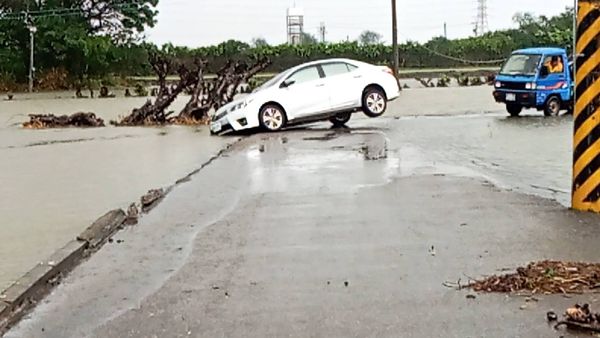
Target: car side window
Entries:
(305, 75)
(337, 68)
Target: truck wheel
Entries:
(514, 109)
(552, 107)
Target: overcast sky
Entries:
(202, 22)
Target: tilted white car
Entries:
(322, 90)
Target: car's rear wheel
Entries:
(272, 117)
(374, 102)
(340, 119)
(552, 107)
(514, 109)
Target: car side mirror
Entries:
(544, 71)
(287, 83)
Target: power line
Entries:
(460, 59)
(58, 12)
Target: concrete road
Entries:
(322, 233)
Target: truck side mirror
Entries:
(544, 71)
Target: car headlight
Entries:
(498, 84)
(240, 105)
(219, 116)
(530, 85)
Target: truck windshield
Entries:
(521, 64)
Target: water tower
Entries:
(295, 25)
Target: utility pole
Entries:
(322, 31)
(445, 30)
(395, 41)
(32, 31)
(586, 113)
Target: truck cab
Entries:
(539, 78)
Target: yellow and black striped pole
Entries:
(586, 141)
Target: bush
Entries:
(8, 82)
(140, 90)
(53, 79)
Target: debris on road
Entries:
(150, 199)
(471, 296)
(551, 316)
(546, 277)
(531, 299)
(580, 318)
(132, 215)
(45, 121)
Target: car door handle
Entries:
(321, 85)
(357, 76)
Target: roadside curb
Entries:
(26, 292)
(97, 233)
(23, 295)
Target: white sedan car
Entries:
(316, 91)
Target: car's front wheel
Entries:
(340, 119)
(374, 102)
(272, 117)
(552, 107)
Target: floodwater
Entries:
(530, 154)
(55, 183)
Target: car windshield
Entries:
(272, 81)
(521, 64)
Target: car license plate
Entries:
(511, 97)
(215, 127)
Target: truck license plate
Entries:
(511, 97)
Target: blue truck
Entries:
(539, 78)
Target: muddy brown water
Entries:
(54, 183)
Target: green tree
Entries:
(309, 39)
(259, 42)
(78, 35)
(369, 38)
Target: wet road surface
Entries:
(54, 183)
(315, 233)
